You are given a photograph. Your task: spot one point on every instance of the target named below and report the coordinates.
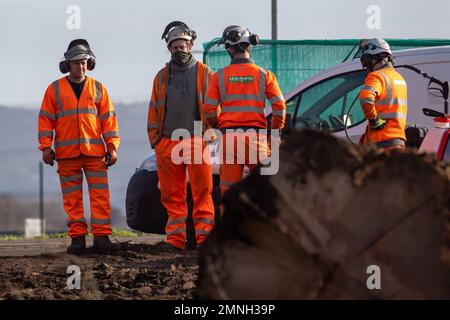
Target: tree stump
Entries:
(332, 211)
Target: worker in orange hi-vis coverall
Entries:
(383, 97)
(235, 103)
(175, 104)
(77, 117)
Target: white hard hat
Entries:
(78, 52)
(233, 35)
(178, 30)
(375, 46)
(178, 33)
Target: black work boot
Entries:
(102, 244)
(78, 246)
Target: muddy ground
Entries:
(133, 271)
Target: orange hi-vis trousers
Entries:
(239, 150)
(172, 180)
(71, 177)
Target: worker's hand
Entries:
(111, 157)
(377, 124)
(48, 155)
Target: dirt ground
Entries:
(133, 271)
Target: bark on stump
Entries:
(312, 230)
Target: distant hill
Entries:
(19, 155)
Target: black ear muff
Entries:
(64, 66)
(91, 64)
(254, 39)
(91, 61)
(193, 34)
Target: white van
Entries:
(324, 101)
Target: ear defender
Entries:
(64, 65)
(193, 34)
(254, 39)
(91, 64)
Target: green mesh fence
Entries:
(294, 61)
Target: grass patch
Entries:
(119, 233)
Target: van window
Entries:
(325, 105)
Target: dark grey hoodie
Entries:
(181, 104)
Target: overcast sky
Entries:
(126, 35)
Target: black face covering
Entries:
(181, 58)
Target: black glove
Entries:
(107, 159)
(48, 156)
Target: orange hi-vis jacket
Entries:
(157, 107)
(241, 90)
(79, 125)
(384, 95)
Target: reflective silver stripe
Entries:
(222, 91)
(176, 221)
(212, 102)
(98, 186)
(204, 220)
(392, 115)
(88, 111)
(394, 102)
(369, 88)
(91, 141)
(72, 189)
(106, 115)
(276, 99)
(152, 125)
(205, 84)
(279, 113)
(388, 85)
(153, 104)
(98, 91)
(82, 220)
(72, 112)
(102, 174)
(101, 221)
(210, 115)
(47, 114)
(390, 143)
(259, 110)
(110, 134)
(234, 97)
(57, 96)
(65, 143)
(227, 183)
(262, 84)
(367, 100)
(43, 134)
(161, 102)
(70, 178)
(181, 230)
(202, 232)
